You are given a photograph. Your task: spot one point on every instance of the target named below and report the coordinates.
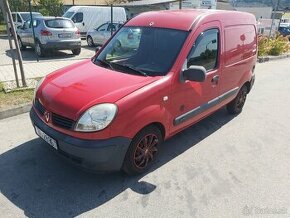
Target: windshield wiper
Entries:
(106, 63)
(127, 67)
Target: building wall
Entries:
(85, 2)
(259, 12)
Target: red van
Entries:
(160, 73)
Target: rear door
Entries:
(193, 100)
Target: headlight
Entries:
(38, 85)
(96, 118)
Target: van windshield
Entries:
(146, 51)
(68, 14)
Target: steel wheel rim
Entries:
(19, 42)
(90, 41)
(145, 151)
(242, 99)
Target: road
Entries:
(29, 56)
(224, 166)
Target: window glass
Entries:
(78, 17)
(35, 23)
(59, 23)
(112, 27)
(19, 19)
(103, 27)
(149, 50)
(205, 50)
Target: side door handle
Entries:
(215, 79)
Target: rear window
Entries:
(59, 23)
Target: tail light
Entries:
(45, 33)
(78, 33)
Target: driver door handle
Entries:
(215, 79)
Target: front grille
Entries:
(62, 121)
(56, 119)
(39, 107)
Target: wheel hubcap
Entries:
(242, 99)
(145, 151)
(90, 41)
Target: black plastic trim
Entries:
(196, 111)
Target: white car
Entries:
(101, 34)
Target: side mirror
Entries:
(194, 73)
(98, 49)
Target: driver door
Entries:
(191, 100)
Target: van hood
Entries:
(72, 90)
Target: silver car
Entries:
(101, 34)
(51, 33)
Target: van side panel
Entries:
(240, 56)
(94, 16)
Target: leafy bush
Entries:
(273, 46)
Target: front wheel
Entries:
(142, 151)
(90, 41)
(38, 49)
(236, 105)
(76, 51)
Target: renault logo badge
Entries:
(46, 116)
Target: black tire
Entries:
(236, 105)
(39, 51)
(21, 46)
(90, 41)
(142, 151)
(76, 51)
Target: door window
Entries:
(78, 17)
(204, 51)
(19, 19)
(104, 27)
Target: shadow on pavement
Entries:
(42, 184)
(28, 55)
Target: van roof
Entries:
(184, 19)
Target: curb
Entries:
(15, 111)
(272, 58)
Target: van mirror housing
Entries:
(194, 73)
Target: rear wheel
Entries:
(142, 151)
(76, 51)
(38, 49)
(90, 41)
(236, 105)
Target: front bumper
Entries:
(62, 45)
(99, 155)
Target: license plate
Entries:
(46, 138)
(64, 35)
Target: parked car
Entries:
(112, 112)
(19, 18)
(101, 34)
(88, 17)
(284, 29)
(51, 33)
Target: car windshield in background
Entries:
(26, 16)
(68, 14)
(142, 50)
(59, 23)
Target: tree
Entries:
(50, 7)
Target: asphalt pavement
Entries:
(225, 166)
